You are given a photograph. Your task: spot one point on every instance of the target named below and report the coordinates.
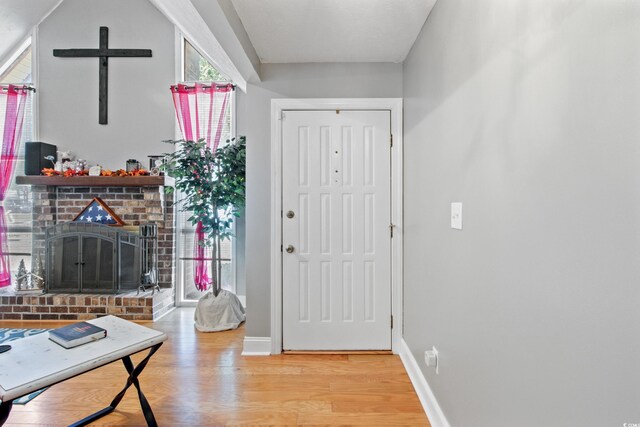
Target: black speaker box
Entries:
(34, 157)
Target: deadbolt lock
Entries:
(290, 249)
(290, 214)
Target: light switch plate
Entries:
(456, 215)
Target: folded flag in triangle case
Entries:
(97, 212)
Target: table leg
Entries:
(5, 409)
(134, 372)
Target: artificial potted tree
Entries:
(211, 187)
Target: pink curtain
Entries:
(201, 111)
(14, 99)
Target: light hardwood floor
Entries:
(199, 379)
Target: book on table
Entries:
(77, 334)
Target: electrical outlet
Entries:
(431, 358)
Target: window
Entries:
(18, 202)
(197, 69)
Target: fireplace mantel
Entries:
(95, 181)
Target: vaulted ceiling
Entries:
(333, 30)
(17, 18)
(268, 31)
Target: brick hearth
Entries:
(128, 306)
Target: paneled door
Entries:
(336, 216)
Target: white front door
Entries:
(336, 194)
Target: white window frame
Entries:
(179, 273)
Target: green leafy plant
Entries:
(211, 187)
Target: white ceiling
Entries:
(17, 18)
(284, 31)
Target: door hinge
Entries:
(391, 227)
(391, 139)
(392, 321)
(280, 248)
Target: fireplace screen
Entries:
(91, 258)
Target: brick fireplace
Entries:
(136, 201)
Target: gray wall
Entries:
(254, 121)
(527, 112)
(140, 108)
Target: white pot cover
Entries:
(219, 313)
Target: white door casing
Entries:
(272, 344)
(336, 181)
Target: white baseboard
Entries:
(256, 346)
(168, 311)
(424, 392)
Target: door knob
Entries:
(290, 249)
(290, 214)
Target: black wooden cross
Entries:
(103, 53)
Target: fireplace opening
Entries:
(95, 258)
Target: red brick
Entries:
(12, 316)
(77, 309)
(50, 317)
(59, 309)
(68, 317)
(30, 316)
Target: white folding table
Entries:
(36, 362)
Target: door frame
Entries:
(278, 106)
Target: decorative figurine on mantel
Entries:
(65, 159)
(155, 165)
(133, 165)
(95, 170)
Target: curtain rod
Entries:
(24, 87)
(209, 86)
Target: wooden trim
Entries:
(93, 181)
